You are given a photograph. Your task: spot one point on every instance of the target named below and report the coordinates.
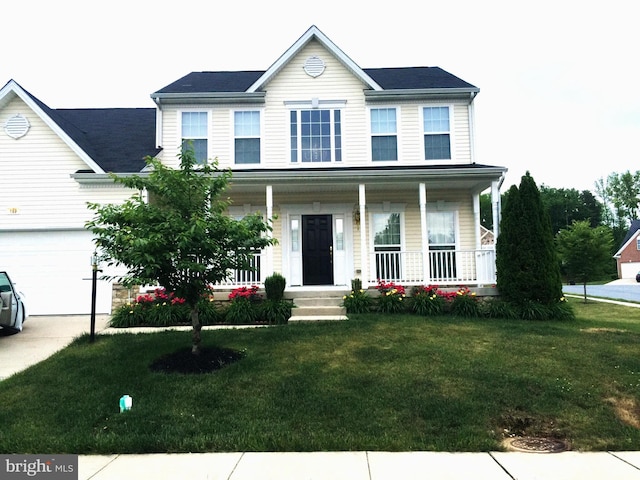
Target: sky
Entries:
(558, 79)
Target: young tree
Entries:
(526, 261)
(585, 251)
(182, 238)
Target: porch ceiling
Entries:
(474, 178)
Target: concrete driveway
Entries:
(623, 289)
(40, 338)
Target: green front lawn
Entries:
(371, 383)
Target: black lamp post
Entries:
(94, 284)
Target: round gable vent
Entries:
(17, 126)
(314, 66)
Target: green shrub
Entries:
(465, 303)
(426, 301)
(391, 299)
(531, 310)
(276, 312)
(242, 311)
(562, 310)
(274, 286)
(358, 301)
(498, 308)
(161, 310)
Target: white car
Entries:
(12, 309)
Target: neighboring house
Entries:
(367, 173)
(52, 162)
(628, 255)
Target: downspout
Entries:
(472, 136)
(158, 123)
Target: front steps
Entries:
(317, 306)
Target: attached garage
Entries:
(629, 270)
(53, 270)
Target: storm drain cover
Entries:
(537, 444)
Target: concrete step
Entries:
(317, 306)
(318, 310)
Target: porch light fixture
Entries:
(356, 214)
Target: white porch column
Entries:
(364, 255)
(423, 230)
(268, 268)
(476, 220)
(495, 209)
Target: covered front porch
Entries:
(412, 226)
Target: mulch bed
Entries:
(209, 360)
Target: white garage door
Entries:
(629, 270)
(53, 270)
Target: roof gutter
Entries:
(420, 93)
(208, 97)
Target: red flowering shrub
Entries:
(250, 293)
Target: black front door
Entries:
(317, 250)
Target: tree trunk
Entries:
(584, 286)
(195, 323)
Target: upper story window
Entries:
(246, 128)
(638, 243)
(384, 138)
(316, 136)
(194, 134)
(437, 133)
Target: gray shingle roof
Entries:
(408, 78)
(635, 226)
(117, 139)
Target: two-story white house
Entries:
(370, 173)
(366, 173)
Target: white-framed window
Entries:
(194, 131)
(638, 242)
(436, 125)
(387, 244)
(384, 134)
(246, 132)
(441, 233)
(316, 136)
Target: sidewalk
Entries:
(363, 466)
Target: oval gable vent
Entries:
(17, 126)
(314, 66)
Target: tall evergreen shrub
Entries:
(526, 261)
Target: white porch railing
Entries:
(246, 278)
(446, 267)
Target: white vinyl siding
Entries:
(43, 162)
(336, 84)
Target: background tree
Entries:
(616, 191)
(486, 211)
(624, 189)
(182, 239)
(526, 260)
(585, 252)
(565, 206)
